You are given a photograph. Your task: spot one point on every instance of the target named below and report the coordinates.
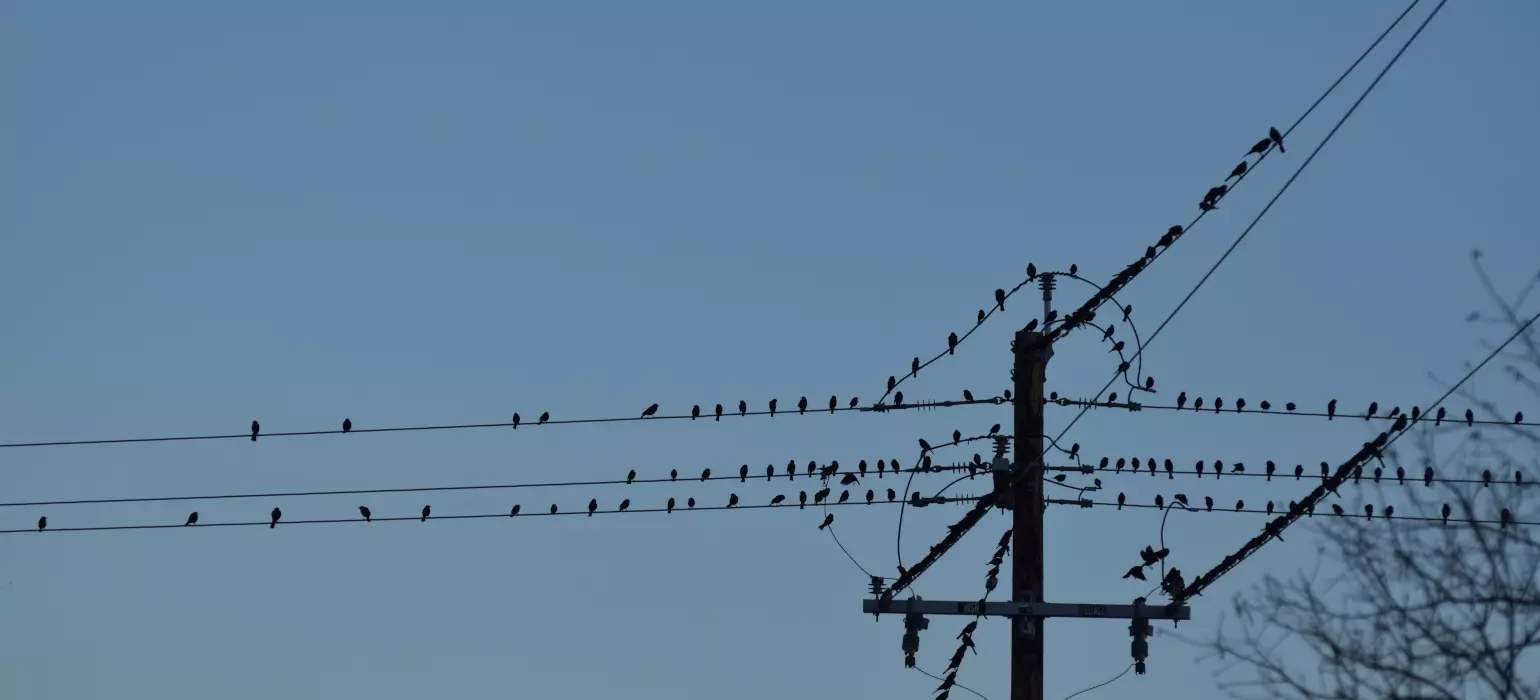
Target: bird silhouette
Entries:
(1181, 400)
(898, 398)
(1240, 405)
(192, 519)
(631, 476)
(1266, 406)
(546, 416)
(276, 516)
(1518, 417)
(778, 498)
(1289, 406)
(772, 408)
(1506, 518)
(1486, 477)
(801, 500)
(514, 511)
(850, 479)
(1440, 417)
(870, 496)
(1238, 171)
(1470, 417)
(924, 446)
(515, 421)
(980, 322)
(1299, 470)
(364, 511)
(892, 495)
(690, 502)
(732, 499)
(834, 403)
(653, 410)
(1208, 503)
(1218, 404)
(1197, 404)
(1400, 475)
(743, 474)
(1261, 147)
(956, 436)
(1331, 409)
(42, 523)
(1270, 469)
(1240, 506)
(1122, 498)
(1374, 407)
(951, 344)
(706, 474)
(1135, 572)
(861, 467)
(624, 504)
(855, 401)
(1369, 511)
(256, 428)
(426, 511)
(827, 521)
(719, 412)
(694, 411)
(844, 496)
(593, 505)
(914, 367)
(347, 425)
(892, 382)
(820, 495)
(1170, 470)
(743, 408)
(769, 472)
(1446, 513)
(802, 406)
(670, 508)
(1336, 508)
(1269, 507)
(553, 509)
(1390, 511)
(1000, 299)
(673, 475)
(1275, 137)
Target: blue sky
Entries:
(214, 212)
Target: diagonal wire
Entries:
(1297, 172)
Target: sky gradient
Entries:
(296, 212)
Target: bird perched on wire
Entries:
(802, 406)
(1238, 171)
(653, 410)
(42, 523)
(546, 416)
(426, 511)
(827, 521)
(1275, 137)
(347, 425)
(256, 428)
(364, 511)
(276, 515)
(192, 519)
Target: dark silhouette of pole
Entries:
(1031, 351)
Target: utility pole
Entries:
(1032, 351)
(1019, 487)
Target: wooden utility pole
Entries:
(1031, 350)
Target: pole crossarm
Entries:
(1036, 609)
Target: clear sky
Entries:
(404, 214)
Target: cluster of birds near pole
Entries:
(1505, 517)
(964, 643)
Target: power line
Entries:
(405, 518)
(1297, 172)
(1407, 479)
(1136, 406)
(1100, 685)
(466, 426)
(1369, 450)
(429, 489)
(1302, 512)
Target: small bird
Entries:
(778, 498)
(515, 510)
(653, 409)
(802, 406)
(1238, 171)
(673, 475)
(743, 408)
(870, 495)
(967, 395)
(1261, 147)
(1269, 507)
(256, 428)
(1336, 508)
(1181, 400)
(1299, 470)
(855, 401)
(670, 508)
(850, 479)
(1122, 498)
(981, 318)
(1275, 137)
(1136, 572)
(1240, 405)
(1289, 406)
(914, 367)
(951, 344)
(769, 472)
(844, 496)
(924, 446)
(1270, 469)
(631, 476)
(1390, 511)
(1266, 406)
(1331, 409)
(543, 418)
(956, 436)
(192, 519)
(1369, 511)
(1427, 476)
(42, 523)
(1240, 506)
(834, 403)
(1197, 404)
(276, 515)
(743, 474)
(801, 500)
(624, 504)
(772, 408)
(1446, 513)
(347, 425)
(426, 511)
(593, 505)
(719, 412)
(515, 421)
(827, 521)
(553, 509)
(706, 474)
(1218, 404)
(1518, 417)
(732, 499)
(1470, 417)
(1506, 517)
(694, 411)
(1000, 298)
(364, 511)
(1208, 503)
(1439, 418)
(892, 495)
(1374, 407)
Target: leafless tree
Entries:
(1407, 607)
